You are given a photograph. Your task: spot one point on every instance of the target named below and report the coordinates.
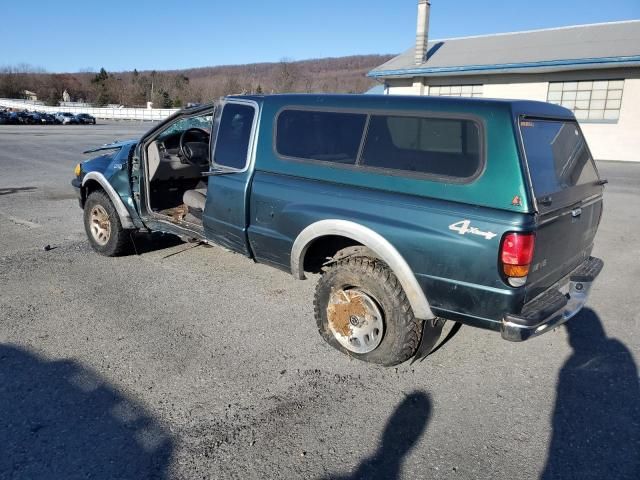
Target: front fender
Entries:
(123, 213)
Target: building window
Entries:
(456, 90)
(597, 100)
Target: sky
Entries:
(85, 35)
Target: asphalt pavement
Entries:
(191, 362)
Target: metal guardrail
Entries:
(150, 114)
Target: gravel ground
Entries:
(191, 362)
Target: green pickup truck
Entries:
(413, 210)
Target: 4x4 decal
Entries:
(464, 226)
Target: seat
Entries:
(195, 198)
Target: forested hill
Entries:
(175, 88)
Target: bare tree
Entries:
(178, 87)
(287, 76)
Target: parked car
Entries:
(67, 118)
(86, 119)
(412, 209)
(50, 119)
(12, 118)
(19, 117)
(36, 118)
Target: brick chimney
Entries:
(422, 32)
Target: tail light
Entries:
(516, 255)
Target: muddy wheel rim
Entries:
(355, 320)
(100, 225)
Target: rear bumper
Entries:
(553, 307)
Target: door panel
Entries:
(225, 214)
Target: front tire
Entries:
(102, 225)
(362, 310)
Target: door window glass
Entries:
(234, 134)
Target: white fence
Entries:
(98, 112)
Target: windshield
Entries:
(557, 155)
(203, 122)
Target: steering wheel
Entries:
(195, 153)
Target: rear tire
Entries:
(371, 283)
(102, 224)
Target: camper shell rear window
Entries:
(557, 156)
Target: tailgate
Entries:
(568, 193)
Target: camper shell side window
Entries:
(435, 146)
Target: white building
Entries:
(593, 70)
(31, 96)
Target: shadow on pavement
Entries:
(60, 420)
(11, 190)
(403, 431)
(596, 421)
(151, 242)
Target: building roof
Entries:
(579, 47)
(375, 90)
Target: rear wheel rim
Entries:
(100, 225)
(355, 320)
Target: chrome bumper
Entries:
(553, 307)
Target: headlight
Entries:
(77, 170)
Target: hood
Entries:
(112, 146)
